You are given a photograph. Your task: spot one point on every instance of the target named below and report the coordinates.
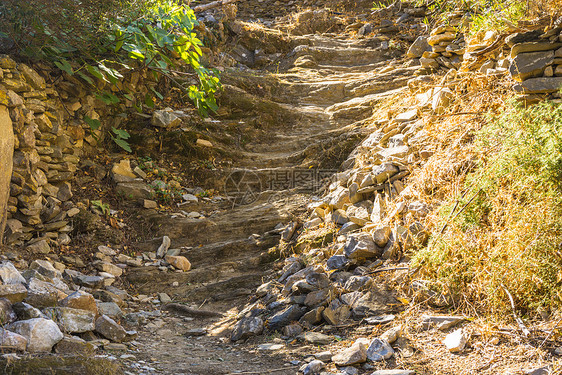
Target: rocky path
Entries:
(317, 109)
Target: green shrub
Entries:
(506, 231)
(103, 40)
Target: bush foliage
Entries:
(508, 235)
(102, 40)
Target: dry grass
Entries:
(507, 233)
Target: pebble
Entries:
(455, 341)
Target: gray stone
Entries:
(391, 334)
(134, 190)
(384, 171)
(165, 119)
(72, 320)
(45, 268)
(348, 227)
(357, 283)
(417, 48)
(41, 334)
(530, 65)
(292, 330)
(13, 292)
(319, 297)
(314, 316)
(337, 262)
(9, 274)
(110, 309)
(527, 47)
(324, 356)
(517, 38)
(110, 268)
(247, 327)
(380, 319)
(42, 294)
(39, 247)
(336, 313)
(80, 300)
(72, 345)
(10, 341)
(109, 329)
(314, 367)
(316, 338)
(442, 322)
(163, 248)
(290, 314)
(361, 245)
(25, 311)
(540, 85)
(355, 354)
(381, 235)
(379, 350)
(7, 314)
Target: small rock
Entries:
(314, 367)
(324, 356)
(442, 322)
(392, 334)
(72, 320)
(165, 119)
(356, 353)
(42, 294)
(317, 338)
(25, 311)
(80, 300)
(72, 345)
(122, 172)
(9, 274)
(110, 309)
(203, 142)
(7, 314)
(419, 46)
(270, 347)
(441, 100)
(11, 341)
(286, 316)
(196, 332)
(163, 247)
(41, 334)
(380, 319)
(379, 350)
(149, 204)
(361, 245)
(108, 328)
(455, 341)
(246, 328)
(179, 262)
(164, 298)
(110, 268)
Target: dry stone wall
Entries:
(51, 136)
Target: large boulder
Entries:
(6, 155)
(41, 334)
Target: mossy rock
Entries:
(60, 366)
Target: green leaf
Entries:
(93, 124)
(160, 96)
(64, 66)
(85, 77)
(123, 144)
(120, 133)
(95, 71)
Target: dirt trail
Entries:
(317, 111)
